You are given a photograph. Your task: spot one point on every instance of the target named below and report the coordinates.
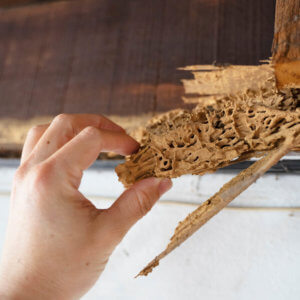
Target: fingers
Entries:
(32, 138)
(79, 153)
(134, 203)
(63, 128)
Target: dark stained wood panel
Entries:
(91, 71)
(120, 57)
(20, 64)
(189, 37)
(14, 3)
(11, 3)
(245, 31)
(136, 70)
(55, 61)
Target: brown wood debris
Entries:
(239, 114)
(221, 130)
(217, 202)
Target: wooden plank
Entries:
(13, 3)
(189, 36)
(136, 70)
(54, 69)
(234, 32)
(120, 57)
(92, 73)
(20, 62)
(245, 31)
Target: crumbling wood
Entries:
(286, 43)
(217, 202)
(208, 139)
(197, 142)
(231, 122)
(243, 122)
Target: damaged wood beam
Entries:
(216, 203)
(241, 112)
(250, 118)
(286, 43)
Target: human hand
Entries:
(57, 241)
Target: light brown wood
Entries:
(286, 43)
(216, 203)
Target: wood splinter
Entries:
(217, 202)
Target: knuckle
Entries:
(143, 202)
(34, 131)
(20, 173)
(40, 175)
(91, 131)
(62, 118)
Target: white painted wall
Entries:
(250, 250)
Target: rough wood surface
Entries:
(239, 114)
(222, 198)
(286, 43)
(237, 117)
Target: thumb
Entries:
(135, 202)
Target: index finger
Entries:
(79, 153)
(63, 128)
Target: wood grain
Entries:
(285, 48)
(14, 3)
(120, 57)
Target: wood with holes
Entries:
(231, 122)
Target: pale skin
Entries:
(57, 242)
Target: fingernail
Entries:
(164, 185)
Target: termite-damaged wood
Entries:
(241, 112)
(247, 120)
(234, 119)
(286, 43)
(208, 139)
(217, 202)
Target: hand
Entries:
(58, 242)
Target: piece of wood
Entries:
(286, 49)
(216, 203)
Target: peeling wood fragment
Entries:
(243, 122)
(217, 202)
(231, 123)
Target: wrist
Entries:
(15, 285)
